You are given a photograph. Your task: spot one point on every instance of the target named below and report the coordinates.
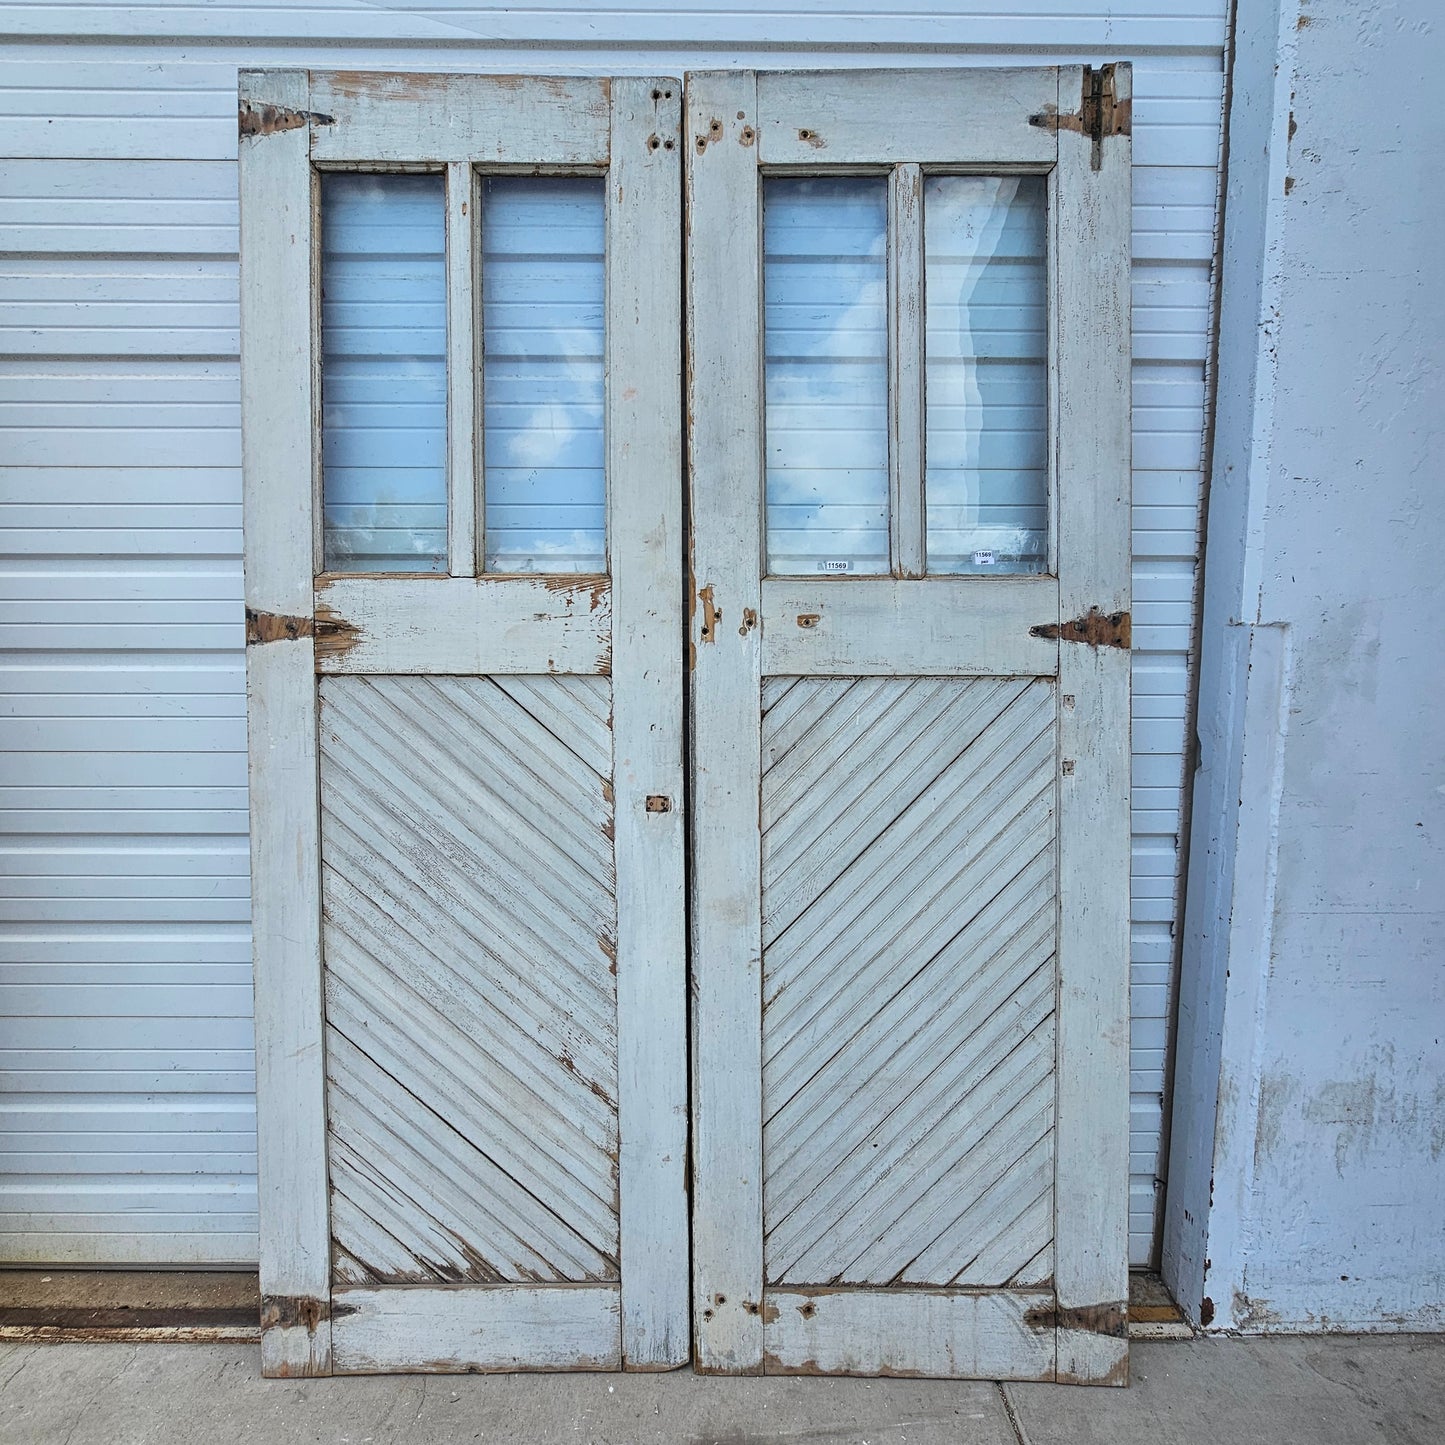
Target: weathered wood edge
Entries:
(1091, 319)
(644, 468)
(277, 381)
(724, 276)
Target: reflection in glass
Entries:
(542, 375)
(986, 483)
(825, 273)
(383, 379)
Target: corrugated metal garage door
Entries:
(126, 1124)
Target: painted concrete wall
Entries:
(1315, 936)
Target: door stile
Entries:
(1092, 470)
(905, 371)
(463, 443)
(724, 333)
(644, 467)
(278, 391)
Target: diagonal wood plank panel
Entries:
(468, 936)
(909, 890)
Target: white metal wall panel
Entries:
(126, 1126)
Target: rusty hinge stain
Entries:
(268, 119)
(1107, 1319)
(808, 620)
(334, 635)
(1098, 629)
(289, 1312)
(711, 614)
(1101, 113)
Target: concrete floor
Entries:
(1323, 1390)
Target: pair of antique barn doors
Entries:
(689, 755)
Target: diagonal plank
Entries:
(468, 934)
(909, 887)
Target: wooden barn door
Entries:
(909, 452)
(463, 510)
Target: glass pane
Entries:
(384, 373)
(986, 483)
(542, 376)
(825, 278)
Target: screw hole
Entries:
(667, 145)
(657, 95)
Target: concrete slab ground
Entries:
(1324, 1390)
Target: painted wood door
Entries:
(463, 506)
(909, 469)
